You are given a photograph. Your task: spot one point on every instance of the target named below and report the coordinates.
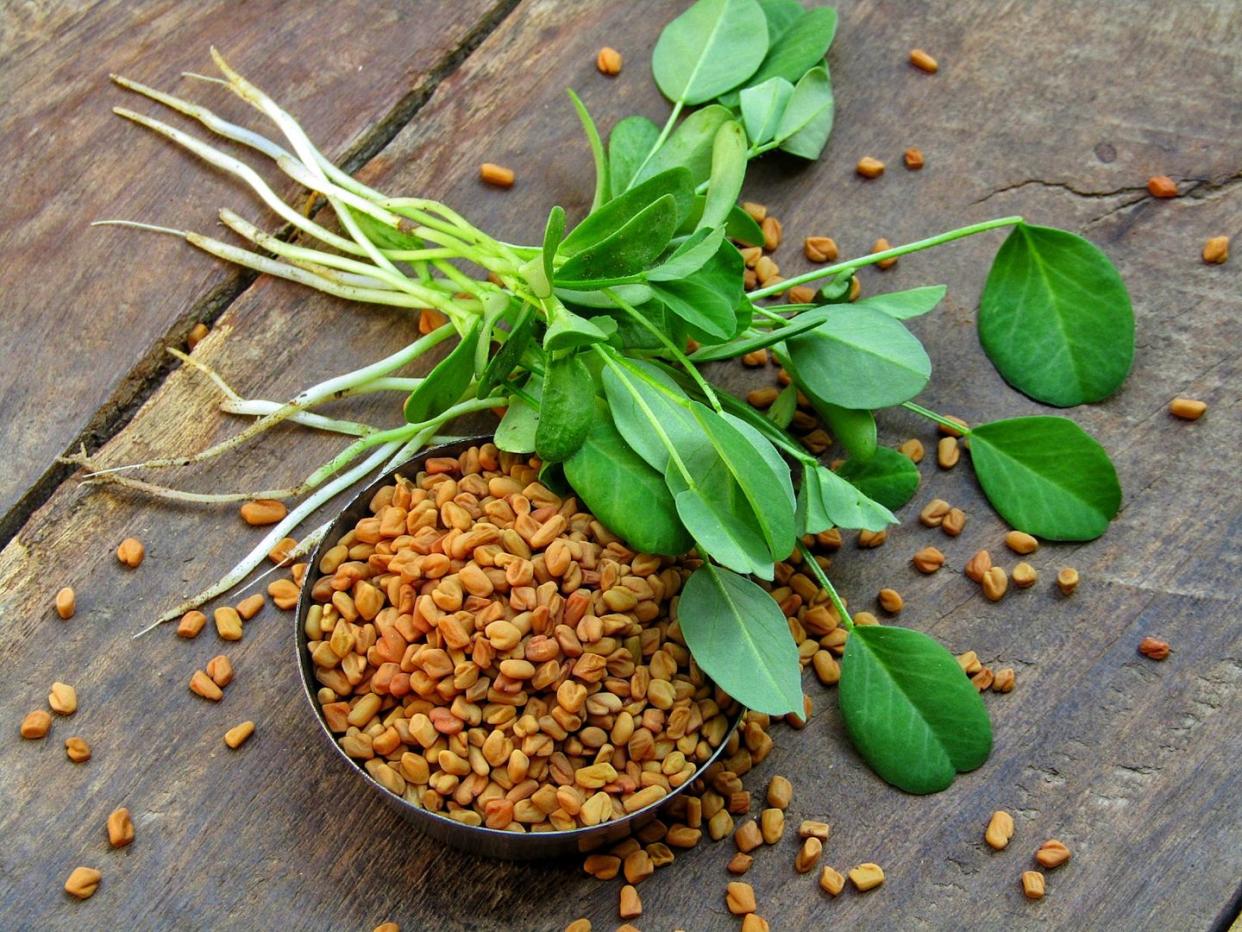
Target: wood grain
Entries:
(1130, 762)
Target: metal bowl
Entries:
(474, 839)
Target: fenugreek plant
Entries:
(581, 336)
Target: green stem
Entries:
(871, 259)
(668, 128)
(938, 418)
(809, 558)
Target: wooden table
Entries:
(1059, 111)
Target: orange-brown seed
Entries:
(496, 175)
(869, 168)
(608, 61)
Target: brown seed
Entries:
(120, 828)
(602, 866)
(866, 876)
(77, 750)
(780, 792)
(855, 288)
(740, 897)
(196, 334)
(772, 825)
(1154, 648)
(201, 684)
(995, 582)
(820, 249)
(772, 231)
(36, 725)
(1162, 186)
(281, 551)
(1024, 576)
(983, 679)
(924, 62)
(999, 830)
(66, 603)
(869, 167)
(63, 699)
(1067, 580)
(767, 271)
(83, 882)
(220, 670)
(496, 175)
(808, 854)
(191, 624)
(1004, 680)
(263, 511)
(756, 359)
(890, 600)
(130, 552)
(947, 452)
(1052, 853)
(719, 825)
(683, 836)
(758, 212)
(284, 593)
(1033, 885)
(228, 623)
(1216, 250)
(637, 866)
(578, 925)
(831, 881)
(631, 906)
(977, 566)
(393, 927)
(934, 512)
(753, 922)
(882, 245)
(969, 662)
(827, 670)
(748, 837)
(762, 397)
(868, 540)
(608, 61)
(865, 618)
(430, 319)
(953, 522)
(739, 864)
(913, 157)
(238, 735)
(809, 828)
(1021, 542)
(912, 449)
(952, 431)
(1188, 409)
(250, 606)
(801, 294)
(928, 560)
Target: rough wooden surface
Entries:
(1131, 763)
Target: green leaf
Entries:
(860, 358)
(782, 410)
(597, 151)
(629, 250)
(807, 120)
(595, 299)
(800, 46)
(510, 353)
(1055, 317)
(728, 171)
(912, 715)
(568, 330)
(689, 257)
(800, 324)
(905, 304)
(623, 492)
(517, 429)
(853, 428)
(825, 500)
(707, 300)
(888, 477)
(721, 523)
(553, 233)
(444, 384)
(712, 47)
(1046, 476)
(601, 224)
(645, 402)
(836, 290)
(738, 636)
(628, 144)
(762, 108)
(689, 146)
(381, 234)
(780, 14)
(742, 227)
(566, 410)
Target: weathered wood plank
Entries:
(1127, 761)
(85, 309)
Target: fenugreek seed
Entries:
(969, 662)
(801, 294)
(201, 685)
(281, 551)
(977, 566)
(1154, 648)
(882, 245)
(855, 288)
(120, 828)
(1024, 576)
(682, 836)
(631, 906)
(1033, 885)
(933, 513)
(637, 866)
(393, 927)
(928, 560)
(644, 797)
(63, 699)
(772, 825)
(954, 522)
(960, 426)
(1067, 580)
(578, 925)
(868, 540)
(1004, 680)
(890, 600)
(130, 552)
(191, 623)
(1021, 543)
(753, 922)
(1052, 853)
(739, 864)
(758, 212)
(83, 882)
(77, 750)
(995, 582)
(771, 228)
(827, 670)
(947, 452)
(236, 736)
(912, 449)
(748, 836)
(608, 61)
(810, 828)
(999, 830)
(866, 876)
(762, 397)
(982, 680)
(36, 725)
(913, 157)
(263, 511)
(1162, 186)
(756, 359)
(196, 334)
(1188, 409)
(1216, 250)
(220, 669)
(602, 866)
(869, 167)
(831, 881)
(66, 603)
(250, 606)
(739, 897)
(284, 593)
(808, 855)
(496, 175)
(228, 623)
(924, 62)
(767, 271)
(820, 249)
(719, 825)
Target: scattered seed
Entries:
(758, 212)
(1216, 250)
(683, 836)
(780, 792)
(756, 359)
(1004, 680)
(263, 511)
(430, 319)
(983, 679)
(952, 431)
(827, 670)
(866, 876)
(1154, 648)
(637, 866)
(772, 825)
(250, 606)
(66, 603)
(947, 452)
(739, 864)
(999, 830)
(924, 62)
(868, 540)
(855, 288)
(36, 725)
(766, 270)
(869, 168)
(220, 670)
(801, 294)
(831, 881)
(191, 624)
(238, 735)
(913, 157)
(1033, 884)
(284, 593)
(631, 906)
(63, 699)
(130, 552)
(969, 662)
(1067, 580)
(881, 245)
(748, 836)
(719, 825)
(1021, 542)
(928, 560)
(912, 449)
(762, 397)
(282, 549)
(393, 927)
(1024, 576)
(810, 828)
(83, 882)
(1188, 409)
(995, 582)
(196, 334)
(820, 249)
(890, 600)
(865, 618)
(977, 566)
(753, 922)
(496, 175)
(934, 512)
(202, 685)
(120, 828)
(77, 750)
(772, 232)
(740, 897)
(608, 61)
(228, 623)
(953, 522)
(1162, 186)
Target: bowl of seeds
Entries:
(505, 671)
